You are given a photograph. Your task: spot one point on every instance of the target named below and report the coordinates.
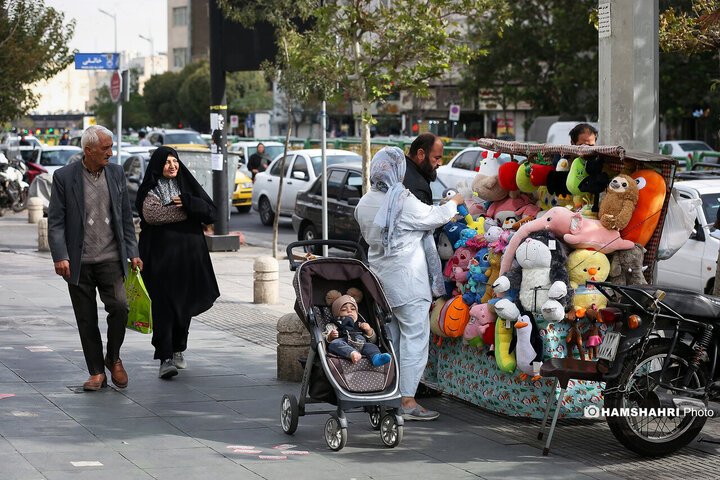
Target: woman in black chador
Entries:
(177, 269)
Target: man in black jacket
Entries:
(425, 156)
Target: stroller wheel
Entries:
(374, 416)
(289, 414)
(335, 435)
(390, 432)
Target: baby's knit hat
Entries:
(337, 300)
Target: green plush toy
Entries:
(577, 174)
(522, 178)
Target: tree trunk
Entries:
(365, 144)
(282, 180)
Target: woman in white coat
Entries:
(398, 228)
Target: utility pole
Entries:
(119, 103)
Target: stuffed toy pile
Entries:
(518, 258)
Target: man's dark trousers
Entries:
(107, 278)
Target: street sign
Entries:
(234, 121)
(115, 87)
(454, 113)
(96, 61)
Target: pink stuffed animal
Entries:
(457, 267)
(573, 228)
(481, 321)
(522, 206)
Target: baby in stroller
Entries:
(346, 336)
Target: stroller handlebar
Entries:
(343, 244)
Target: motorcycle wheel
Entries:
(653, 436)
(21, 202)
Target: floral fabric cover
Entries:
(470, 374)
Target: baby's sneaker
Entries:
(380, 359)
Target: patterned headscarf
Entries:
(387, 171)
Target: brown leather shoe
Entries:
(95, 382)
(117, 373)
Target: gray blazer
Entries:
(66, 216)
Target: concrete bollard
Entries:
(43, 244)
(266, 288)
(293, 344)
(35, 209)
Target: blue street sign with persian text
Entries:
(96, 61)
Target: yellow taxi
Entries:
(242, 195)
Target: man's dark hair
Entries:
(426, 141)
(581, 128)
(141, 134)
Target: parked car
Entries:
(464, 165)
(693, 266)
(344, 189)
(126, 153)
(176, 137)
(302, 167)
(686, 148)
(52, 158)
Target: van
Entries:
(559, 132)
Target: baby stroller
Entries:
(328, 378)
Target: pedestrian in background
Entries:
(583, 134)
(258, 161)
(65, 139)
(144, 142)
(92, 235)
(398, 228)
(178, 272)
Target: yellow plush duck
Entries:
(582, 265)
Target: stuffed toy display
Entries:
(627, 266)
(477, 277)
(507, 174)
(617, 206)
(573, 228)
(576, 175)
(583, 265)
(522, 178)
(645, 217)
(504, 351)
(528, 348)
(541, 277)
(539, 172)
(486, 183)
(457, 267)
(493, 272)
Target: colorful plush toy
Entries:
(480, 329)
(596, 180)
(539, 172)
(465, 235)
(617, 206)
(457, 267)
(574, 337)
(593, 338)
(529, 348)
(522, 178)
(557, 179)
(493, 272)
(576, 175)
(477, 277)
(452, 230)
(507, 174)
(454, 316)
(504, 353)
(435, 311)
(477, 225)
(645, 217)
(485, 183)
(541, 277)
(584, 264)
(627, 266)
(573, 228)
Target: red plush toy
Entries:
(539, 172)
(507, 174)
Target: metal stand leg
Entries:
(546, 450)
(548, 402)
(306, 381)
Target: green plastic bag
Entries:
(140, 313)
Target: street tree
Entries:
(33, 47)
(366, 50)
(690, 28)
(543, 53)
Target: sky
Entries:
(94, 31)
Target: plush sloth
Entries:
(619, 202)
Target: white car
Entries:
(247, 148)
(693, 266)
(464, 165)
(686, 148)
(302, 167)
(52, 158)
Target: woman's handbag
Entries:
(140, 306)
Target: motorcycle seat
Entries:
(689, 304)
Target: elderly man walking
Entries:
(91, 236)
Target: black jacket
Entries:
(417, 182)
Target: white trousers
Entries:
(411, 335)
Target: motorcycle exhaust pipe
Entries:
(657, 400)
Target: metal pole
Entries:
(119, 103)
(323, 145)
(218, 106)
(152, 52)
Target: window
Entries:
(275, 170)
(334, 160)
(180, 16)
(353, 186)
(465, 161)
(300, 166)
(179, 57)
(335, 183)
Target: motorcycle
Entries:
(13, 189)
(659, 360)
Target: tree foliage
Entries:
(33, 47)
(691, 29)
(544, 53)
